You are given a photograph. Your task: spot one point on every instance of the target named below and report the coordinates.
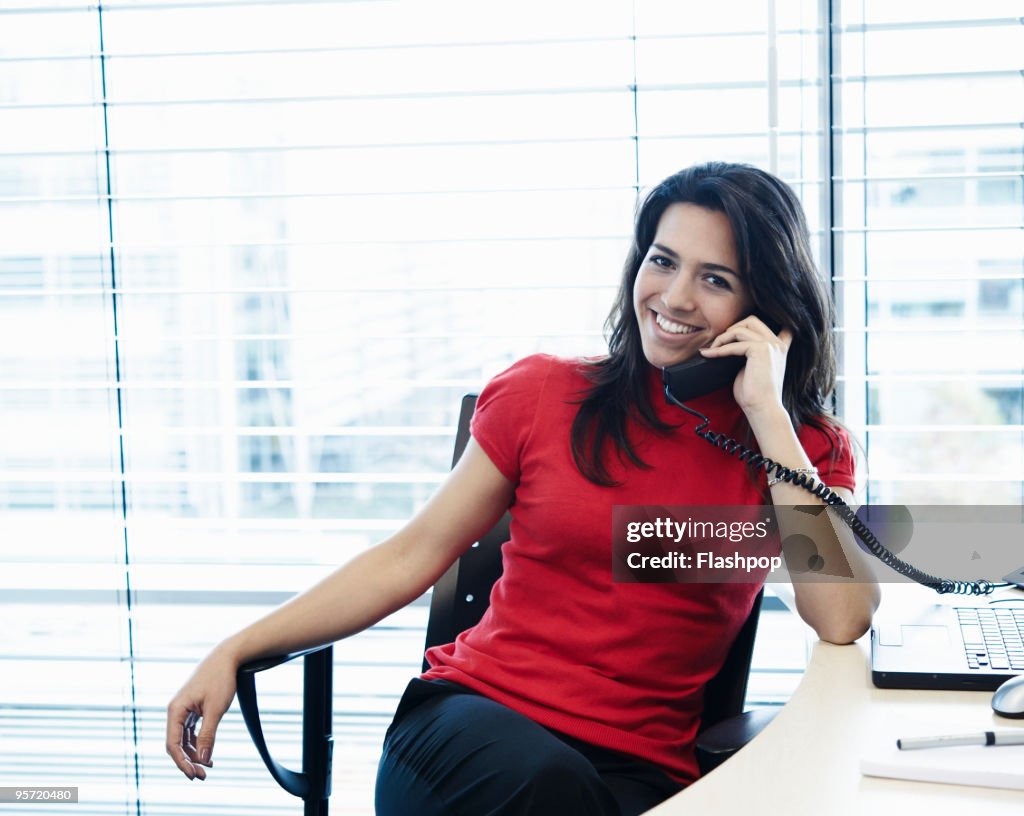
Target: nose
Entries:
(678, 295)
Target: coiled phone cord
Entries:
(731, 447)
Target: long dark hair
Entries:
(773, 249)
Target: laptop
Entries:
(956, 648)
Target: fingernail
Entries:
(204, 755)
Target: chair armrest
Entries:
(722, 740)
(313, 783)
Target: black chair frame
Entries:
(313, 783)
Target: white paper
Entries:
(985, 766)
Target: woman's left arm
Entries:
(839, 609)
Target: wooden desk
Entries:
(807, 761)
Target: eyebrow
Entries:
(710, 266)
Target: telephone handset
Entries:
(701, 375)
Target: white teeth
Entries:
(674, 328)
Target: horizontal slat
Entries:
(138, 523)
(68, 476)
(880, 475)
(319, 50)
(1010, 125)
(298, 99)
(951, 376)
(170, 597)
(52, 247)
(78, 5)
(925, 25)
(172, 150)
(47, 292)
(67, 7)
(837, 28)
(102, 198)
(624, 37)
(269, 195)
(943, 326)
(92, 385)
(872, 179)
(965, 428)
(111, 102)
(868, 79)
(277, 430)
(1009, 227)
(924, 279)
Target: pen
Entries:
(981, 738)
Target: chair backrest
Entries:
(462, 594)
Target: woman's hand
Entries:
(758, 386)
(206, 696)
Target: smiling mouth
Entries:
(672, 327)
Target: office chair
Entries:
(458, 601)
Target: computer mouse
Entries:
(1008, 699)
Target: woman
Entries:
(575, 694)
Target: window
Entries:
(255, 253)
(928, 251)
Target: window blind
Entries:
(929, 226)
(254, 253)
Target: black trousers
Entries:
(452, 752)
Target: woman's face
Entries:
(688, 290)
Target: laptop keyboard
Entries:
(993, 638)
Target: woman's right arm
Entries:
(354, 597)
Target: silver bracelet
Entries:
(774, 480)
